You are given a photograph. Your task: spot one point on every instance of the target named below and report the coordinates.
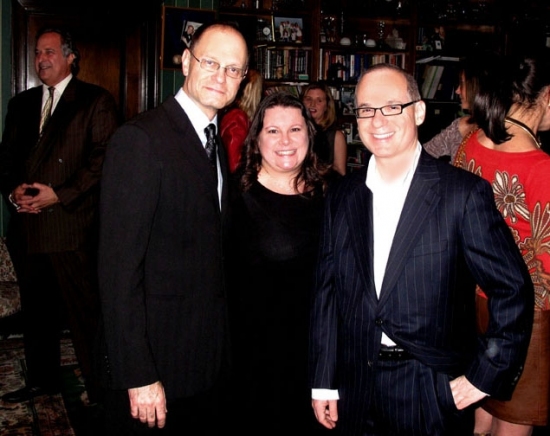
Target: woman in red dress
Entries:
(510, 109)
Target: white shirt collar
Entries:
(374, 180)
(59, 89)
(197, 117)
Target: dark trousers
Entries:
(200, 415)
(411, 399)
(59, 290)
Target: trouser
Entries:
(59, 290)
(411, 399)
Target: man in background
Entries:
(51, 158)
(163, 208)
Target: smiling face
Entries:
(283, 141)
(213, 90)
(388, 137)
(50, 63)
(316, 102)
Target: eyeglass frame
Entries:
(401, 105)
(217, 66)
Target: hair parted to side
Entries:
(329, 117)
(67, 45)
(312, 171)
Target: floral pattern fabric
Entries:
(10, 301)
(521, 184)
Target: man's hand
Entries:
(326, 412)
(148, 404)
(465, 393)
(44, 196)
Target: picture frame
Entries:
(347, 98)
(264, 30)
(288, 29)
(178, 26)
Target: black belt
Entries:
(393, 353)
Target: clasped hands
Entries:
(42, 197)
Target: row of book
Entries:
(348, 67)
(283, 63)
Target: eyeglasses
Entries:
(213, 66)
(388, 110)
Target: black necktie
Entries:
(211, 144)
(47, 111)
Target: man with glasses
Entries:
(394, 349)
(163, 207)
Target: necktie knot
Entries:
(47, 111)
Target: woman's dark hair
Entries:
(67, 45)
(476, 67)
(313, 173)
(515, 80)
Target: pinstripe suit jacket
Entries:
(160, 257)
(450, 236)
(68, 156)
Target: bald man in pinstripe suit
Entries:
(394, 349)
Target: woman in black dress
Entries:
(274, 238)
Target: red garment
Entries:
(234, 128)
(522, 194)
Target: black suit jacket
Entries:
(68, 156)
(160, 268)
(450, 236)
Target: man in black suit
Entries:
(51, 158)
(163, 210)
(394, 349)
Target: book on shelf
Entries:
(347, 67)
(428, 77)
(282, 63)
(434, 86)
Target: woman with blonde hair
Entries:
(330, 143)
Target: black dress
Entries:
(274, 246)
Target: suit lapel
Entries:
(194, 150)
(420, 203)
(61, 116)
(359, 217)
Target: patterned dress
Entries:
(521, 184)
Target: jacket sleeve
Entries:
(499, 269)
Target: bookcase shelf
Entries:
(338, 37)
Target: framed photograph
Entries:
(288, 29)
(264, 30)
(347, 97)
(178, 27)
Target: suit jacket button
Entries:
(379, 322)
